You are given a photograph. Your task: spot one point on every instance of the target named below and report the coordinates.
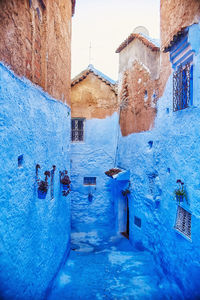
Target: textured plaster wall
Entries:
(136, 50)
(35, 42)
(138, 87)
(175, 15)
(93, 98)
(138, 98)
(34, 233)
(93, 157)
(170, 151)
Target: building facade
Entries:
(163, 158)
(35, 41)
(94, 136)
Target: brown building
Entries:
(35, 41)
(139, 61)
(175, 17)
(94, 95)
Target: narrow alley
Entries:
(99, 147)
(110, 270)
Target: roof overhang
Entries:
(118, 174)
(73, 6)
(176, 38)
(91, 70)
(146, 41)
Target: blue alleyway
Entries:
(110, 270)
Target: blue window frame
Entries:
(89, 180)
(183, 86)
(183, 222)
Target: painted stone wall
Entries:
(156, 159)
(138, 87)
(35, 42)
(93, 157)
(95, 101)
(34, 232)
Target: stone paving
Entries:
(110, 269)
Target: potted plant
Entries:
(42, 189)
(125, 192)
(43, 186)
(65, 181)
(180, 192)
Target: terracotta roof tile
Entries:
(174, 39)
(73, 6)
(151, 43)
(112, 172)
(97, 73)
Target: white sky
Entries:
(106, 24)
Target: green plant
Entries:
(180, 192)
(64, 178)
(43, 186)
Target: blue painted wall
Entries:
(174, 155)
(34, 233)
(93, 157)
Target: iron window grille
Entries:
(182, 87)
(89, 180)
(77, 130)
(183, 221)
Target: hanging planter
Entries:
(180, 193)
(179, 198)
(43, 185)
(65, 187)
(42, 189)
(65, 181)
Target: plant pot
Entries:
(179, 198)
(65, 187)
(41, 194)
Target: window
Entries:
(182, 86)
(89, 181)
(183, 222)
(77, 130)
(137, 221)
(20, 161)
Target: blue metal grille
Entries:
(183, 221)
(89, 180)
(77, 130)
(182, 87)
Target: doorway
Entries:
(126, 219)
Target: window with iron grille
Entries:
(183, 221)
(89, 181)
(77, 130)
(183, 86)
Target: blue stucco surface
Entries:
(93, 157)
(168, 152)
(34, 233)
(111, 269)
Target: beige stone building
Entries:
(93, 95)
(139, 59)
